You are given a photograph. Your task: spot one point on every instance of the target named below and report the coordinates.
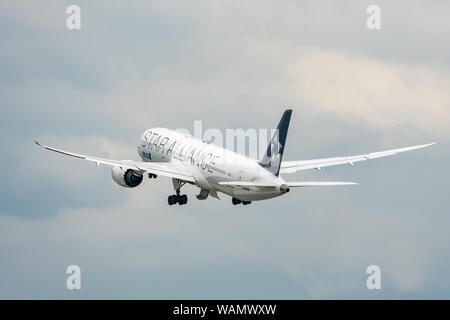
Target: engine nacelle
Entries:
(127, 178)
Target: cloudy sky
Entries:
(231, 64)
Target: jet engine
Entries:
(127, 178)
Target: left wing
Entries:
(293, 166)
(166, 169)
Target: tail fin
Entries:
(274, 154)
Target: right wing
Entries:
(165, 169)
(293, 166)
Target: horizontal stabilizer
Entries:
(246, 184)
(319, 184)
(288, 184)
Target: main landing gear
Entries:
(178, 198)
(237, 201)
(152, 176)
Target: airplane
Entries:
(214, 169)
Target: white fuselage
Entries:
(210, 164)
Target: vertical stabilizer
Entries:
(274, 154)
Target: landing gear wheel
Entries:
(172, 199)
(182, 199)
(237, 201)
